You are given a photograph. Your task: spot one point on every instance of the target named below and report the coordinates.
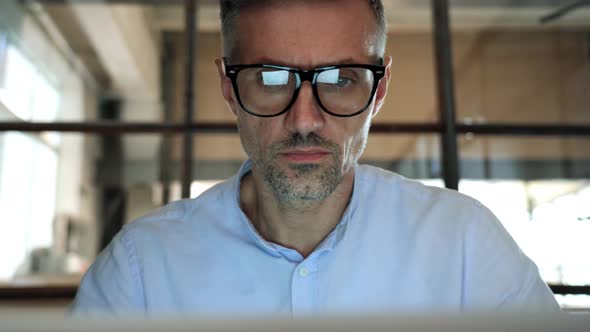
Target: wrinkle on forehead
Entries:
(308, 33)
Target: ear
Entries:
(382, 88)
(226, 86)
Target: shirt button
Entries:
(303, 272)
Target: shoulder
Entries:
(454, 227)
(169, 216)
(183, 217)
(415, 207)
(413, 197)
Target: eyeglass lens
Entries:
(268, 91)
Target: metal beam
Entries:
(446, 92)
(525, 130)
(118, 128)
(564, 11)
(121, 128)
(166, 86)
(189, 103)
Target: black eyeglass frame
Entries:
(302, 75)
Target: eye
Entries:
(344, 82)
(338, 78)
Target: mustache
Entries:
(299, 141)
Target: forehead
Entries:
(306, 34)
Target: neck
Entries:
(299, 225)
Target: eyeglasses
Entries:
(341, 90)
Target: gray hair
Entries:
(230, 11)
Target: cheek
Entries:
(355, 144)
(253, 135)
(358, 145)
(247, 137)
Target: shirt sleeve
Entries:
(112, 285)
(498, 275)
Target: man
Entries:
(302, 228)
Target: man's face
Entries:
(305, 153)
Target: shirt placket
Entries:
(304, 288)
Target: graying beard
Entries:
(286, 192)
(303, 169)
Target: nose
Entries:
(305, 115)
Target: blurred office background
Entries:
(94, 128)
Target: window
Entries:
(28, 164)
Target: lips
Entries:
(305, 155)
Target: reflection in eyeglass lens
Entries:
(276, 77)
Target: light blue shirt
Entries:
(400, 247)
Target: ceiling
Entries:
(415, 14)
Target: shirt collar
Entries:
(328, 244)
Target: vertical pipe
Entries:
(190, 43)
(446, 93)
(113, 195)
(167, 82)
